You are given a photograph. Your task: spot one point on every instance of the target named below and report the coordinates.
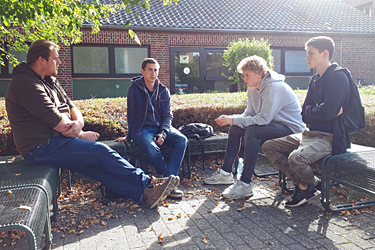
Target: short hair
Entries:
(253, 63)
(149, 60)
(39, 48)
(322, 43)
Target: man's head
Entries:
(319, 51)
(150, 70)
(253, 68)
(43, 57)
(322, 43)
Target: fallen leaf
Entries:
(160, 238)
(179, 215)
(25, 208)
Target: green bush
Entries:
(108, 116)
(236, 51)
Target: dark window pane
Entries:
(129, 60)
(295, 62)
(215, 64)
(20, 55)
(277, 60)
(90, 59)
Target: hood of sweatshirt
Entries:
(270, 77)
(23, 68)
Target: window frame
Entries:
(111, 61)
(282, 63)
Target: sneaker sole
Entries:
(175, 195)
(218, 183)
(237, 197)
(316, 194)
(172, 183)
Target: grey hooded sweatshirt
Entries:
(274, 102)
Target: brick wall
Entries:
(355, 53)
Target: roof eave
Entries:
(265, 32)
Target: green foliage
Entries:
(236, 51)
(59, 21)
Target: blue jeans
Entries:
(95, 160)
(175, 140)
(252, 136)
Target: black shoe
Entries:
(318, 186)
(302, 196)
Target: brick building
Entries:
(188, 40)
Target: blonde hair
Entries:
(253, 63)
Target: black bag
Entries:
(197, 130)
(353, 117)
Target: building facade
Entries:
(188, 40)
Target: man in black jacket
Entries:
(328, 92)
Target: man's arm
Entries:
(336, 89)
(71, 127)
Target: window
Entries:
(197, 70)
(367, 10)
(107, 60)
(6, 71)
(291, 62)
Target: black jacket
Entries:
(323, 101)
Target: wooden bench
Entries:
(354, 169)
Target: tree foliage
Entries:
(238, 50)
(60, 21)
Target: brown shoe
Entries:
(152, 196)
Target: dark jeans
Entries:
(252, 136)
(95, 160)
(175, 140)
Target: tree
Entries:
(23, 21)
(236, 51)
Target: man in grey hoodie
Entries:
(272, 111)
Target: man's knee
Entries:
(296, 160)
(268, 148)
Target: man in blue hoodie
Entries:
(272, 111)
(328, 94)
(150, 122)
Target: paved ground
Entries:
(203, 220)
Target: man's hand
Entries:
(74, 128)
(224, 120)
(160, 138)
(340, 112)
(121, 139)
(89, 135)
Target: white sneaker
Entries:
(237, 191)
(219, 178)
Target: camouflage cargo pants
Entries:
(294, 154)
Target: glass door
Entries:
(185, 71)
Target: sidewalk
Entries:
(203, 220)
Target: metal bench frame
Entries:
(27, 221)
(329, 178)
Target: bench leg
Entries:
(48, 233)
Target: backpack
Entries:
(353, 117)
(197, 130)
